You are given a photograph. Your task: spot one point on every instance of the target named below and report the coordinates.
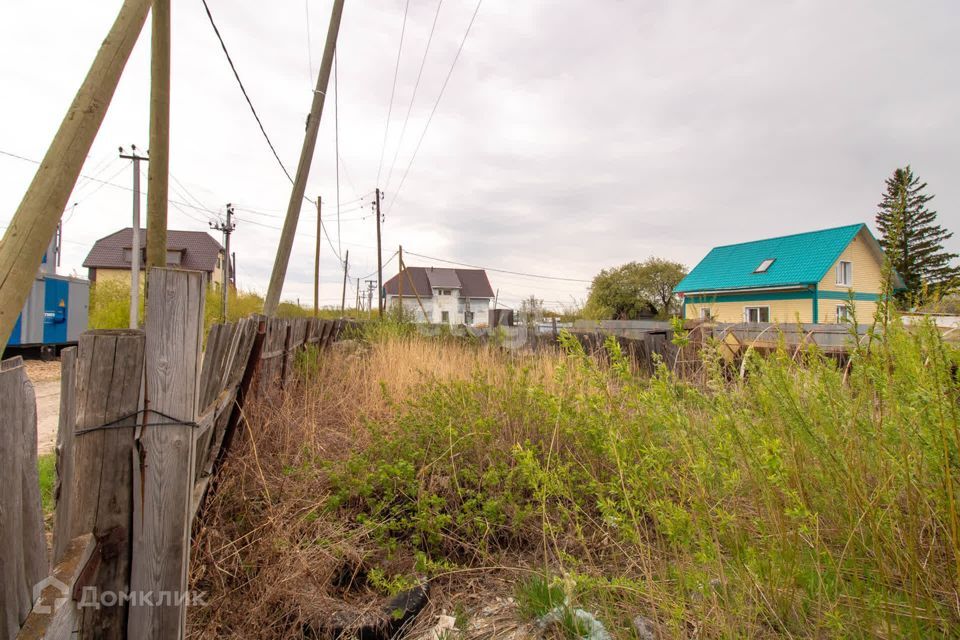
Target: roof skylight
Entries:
(764, 265)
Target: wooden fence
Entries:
(146, 418)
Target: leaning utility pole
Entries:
(316, 265)
(33, 225)
(227, 228)
(379, 260)
(343, 295)
(158, 173)
(303, 169)
(135, 242)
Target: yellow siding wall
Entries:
(867, 269)
(782, 311)
(865, 311)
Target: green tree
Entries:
(910, 236)
(635, 289)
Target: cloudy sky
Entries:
(572, 135)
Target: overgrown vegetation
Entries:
(803, 499)
(110, 306)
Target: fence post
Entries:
(109, 371)
(164, 478)
(23, 558)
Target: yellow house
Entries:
(814, 277)
(111, 256)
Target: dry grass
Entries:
(802, 501)
(271, 558)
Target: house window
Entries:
(756, 314)
(173, 257)
(845, 273)
(705, 314)
(445, 317)
(843, 313)
(764, 265)
(468, 317)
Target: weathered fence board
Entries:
(23, 558)
(55, 615)
(166, 448)
(109, 370)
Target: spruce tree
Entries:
(910, 236)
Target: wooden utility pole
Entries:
(158, 173)
(316, 265)
(379, 261)
(135, 242)
(227, 229)
(358, 299)
(303, 169)
(343, 295)
(400, 278)
(28, 235)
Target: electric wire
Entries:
(413, 97)
(244, 90)
(435, 105)
(516, 273)
(393, 91)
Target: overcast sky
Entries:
(572, 135)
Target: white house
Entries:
(447, 296)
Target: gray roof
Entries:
(200, 250)
(443, 278)
(473, 283)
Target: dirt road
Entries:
(45, 377)
(48, 414)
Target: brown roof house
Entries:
(111, 255)
(448, 296)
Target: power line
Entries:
(393, 91)
(244, 90)
(435, 105)
(306, 8)
(516, 273)
(109, 184)
(413, 97)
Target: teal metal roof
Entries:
(799, 259)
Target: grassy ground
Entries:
(46, 464)
(803, 500)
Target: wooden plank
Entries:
(55, 615)
(166, 454)
(23, 557)
(246, 388)
(63, 487)
(210, 354)
(109, 374)
(286, 362)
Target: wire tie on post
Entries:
(115, 424)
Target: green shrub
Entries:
(807, 499)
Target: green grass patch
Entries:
(46, 465)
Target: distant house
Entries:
(819, 276)
(111, 255)
(448, 296)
